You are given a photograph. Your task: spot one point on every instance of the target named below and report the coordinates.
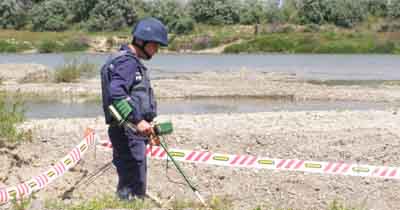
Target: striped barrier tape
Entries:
(39, 182)
(249, 161)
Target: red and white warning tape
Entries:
(249, 161)
(39, 182)
(204, 157)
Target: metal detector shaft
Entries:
(192, 187)
(163, 145)
(131, 126)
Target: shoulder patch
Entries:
(138, 76)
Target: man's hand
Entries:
(154, 140)
(145, 128)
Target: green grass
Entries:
(327, 39)
(73, 70)
(11, 113)
(330, 42)
(48, 46)
(69, 45)
(101, 203)
(13, 46)
(45, 42)
(205, 36)
(109, 202)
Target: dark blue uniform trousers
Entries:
(130, 160)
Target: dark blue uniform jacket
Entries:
(125, 77)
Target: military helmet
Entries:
(151, 30)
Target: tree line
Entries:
(109, 15)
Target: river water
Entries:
(309, 66)
(200, 106)
(325, 67)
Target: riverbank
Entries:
(284, 38)
(366, 137)
(244, 83)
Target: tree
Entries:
(215, 11)
(252, 11)
(168, 11)
(377, 7)
(182, 25)
(50, 15)
(12, 14)
(394, 9)
(111, 15)
(345, 13)
(80, 9)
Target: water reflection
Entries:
(199, 106)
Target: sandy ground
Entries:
(368, 137)
(244, 83)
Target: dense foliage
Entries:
(104, 15)
(50, 16)
(12, 14)
(111, 15)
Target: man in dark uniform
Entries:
(126, 85)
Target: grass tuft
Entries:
(73, 70)
(11, 114)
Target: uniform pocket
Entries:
(136, 144)
(137, 148)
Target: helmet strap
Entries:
(142, 48)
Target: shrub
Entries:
(168, 11)
(12, 14)
(394, 9)
(13, 46)
(49, 46)
(50, 16)
(75, 44)
(182, 25)
(80, 9)
(377, 7)
(111, 15)
(274, 14)
(67, 73)
(344, 13)
(73, 69)
(347, 13)
(252, 11)
(215, 12)
(11, 113)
